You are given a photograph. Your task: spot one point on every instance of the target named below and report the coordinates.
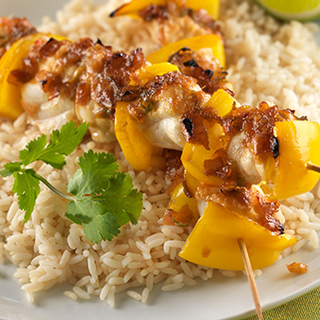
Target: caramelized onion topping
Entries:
(257, 124)
(246, 202)
(209, 74)
(154, 12)
(194, 130)
(219, 166)
(173, 10)
(181, 218)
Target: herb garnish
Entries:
(101, 198)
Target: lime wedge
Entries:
(303, 10)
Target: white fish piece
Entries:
(247, 162)
(44, 113)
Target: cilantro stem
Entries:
(50, 186)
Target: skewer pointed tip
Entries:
(250, 276)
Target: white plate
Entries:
(219, 298)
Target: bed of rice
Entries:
(266, 61)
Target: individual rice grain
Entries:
(303, 231)
(71, 295)
(76, 259)
(314, 238)
(129, 274)
(134, 295)
(172, 244)
(150, 281)
(209, 273)
(90, 288)
(83, 281)
(32, 287)
(30, 297)
(186, 269)
(303, 216)
(145, 295)
(178, 278)
(228, 273)
(104, 291)
(189, 281)
(64, 258)
(111, 297)
(92, 267)
(172, 287)
(12, 211)
(299, 245)
(81, 293)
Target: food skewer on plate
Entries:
(303, 166)
(187, 88)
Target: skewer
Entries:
(313, 167)
(250, 276)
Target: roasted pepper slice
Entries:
(299, 144)
(181, 210)
(194, 155)
(211, 6)
(137, 149)
(222, 102)
(10, 95)
(212, 41)
(214, 241)
(152, 71)
(132, 8)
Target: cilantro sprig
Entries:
(101, 198)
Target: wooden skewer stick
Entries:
(313, 167)
(252, 282)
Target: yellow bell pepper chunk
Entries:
(191, 183)
(194, 155)
(132, 8)
(222, 102)
(152, 71)
(137, 148)
(212, 41)
(179, 199)
(10, 95)
(212, 6)
(214, 241)
(299, 144)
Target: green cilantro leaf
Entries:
(68, 138)
(133, 205)
(10, 168)
(27, 187)
(83, 210)
(118, 199)
(100, 198)
(95, 170)
(33, 150)
(62, 143)
(102, 227)
(98, 224)
(106, 192)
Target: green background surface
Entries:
(303, 308)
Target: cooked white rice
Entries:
(266, 61)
